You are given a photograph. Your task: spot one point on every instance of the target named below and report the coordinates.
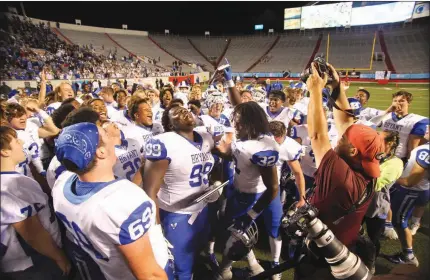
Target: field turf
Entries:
(380, 99)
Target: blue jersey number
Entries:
(23, 165)
(133, 166)
(80, 237)
(35, 153)
(199, 174)
(265, 158)
(423, 158)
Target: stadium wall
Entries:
(86, 28)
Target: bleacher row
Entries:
(407, 46)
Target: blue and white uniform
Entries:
(249, 156)
(284, 114)
(129, 158)
(52, 107)
(31, 148)
(122, 119)
(21, 198)
(121, 213)
(217, 126)
(404, 199)
(142, 134)
(409, 124)
(185, 224)
(368, 113)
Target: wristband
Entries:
(42, 115)
(230, 83)
(253, 214)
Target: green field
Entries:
(380, 95)
(380, 99)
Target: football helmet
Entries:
(239, 244)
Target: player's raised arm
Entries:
(341, 119)
(317, 122)
(233, 92)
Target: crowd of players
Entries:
(106, 182)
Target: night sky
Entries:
(185, 18)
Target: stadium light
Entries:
(271, 31)
(207, 33)
(78, 22)
(124, 26)
(166, 31)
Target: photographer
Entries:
(344, 176)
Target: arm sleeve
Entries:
(422, 158)
(420, 127)
(155, 149)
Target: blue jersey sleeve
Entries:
(155, 150)
(420, 127)
(137, 224)
(422, 158)
(265, 158)
(293, 133)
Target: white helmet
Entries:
(259, 95)
(214, 98)
(239, 244)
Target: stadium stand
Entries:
(100, 42)
(244, 51)
(409, 49)
(291, 52)
(211, 47)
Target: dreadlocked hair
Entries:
(392, 137)
(165, 121)
(252, 119)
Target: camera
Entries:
(321, 66)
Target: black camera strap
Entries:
(332, 97)
(367, 194)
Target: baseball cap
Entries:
(369, 145)
(78, 143)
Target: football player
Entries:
(276, 112)
(411, 190)
(110, 223)
(26, 214)
(366, 113)
(255, 153)
(176, 171)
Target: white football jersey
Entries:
(189, 166)
(142, 134)
(111, 110)
(302, 105)
(157, 114)
(284, 115)
(409, 124)
(367, 113)
(129, 158)
(248, 156)
(22, 197)
(31, 148)
(289, 150)
(55, 169)
(217, 126)
(366, 123)
(307, 162)
(121, 213)
(419, 155)
(122, 119)
(52, 107)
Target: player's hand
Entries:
(393, 108)
(315, 83)
(228, 74)
(64, 264)
(43, 76)
(242, 223)
(32, 106)
(300, 203)
(336, 78)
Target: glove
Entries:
(243, 223)
(228, 75)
